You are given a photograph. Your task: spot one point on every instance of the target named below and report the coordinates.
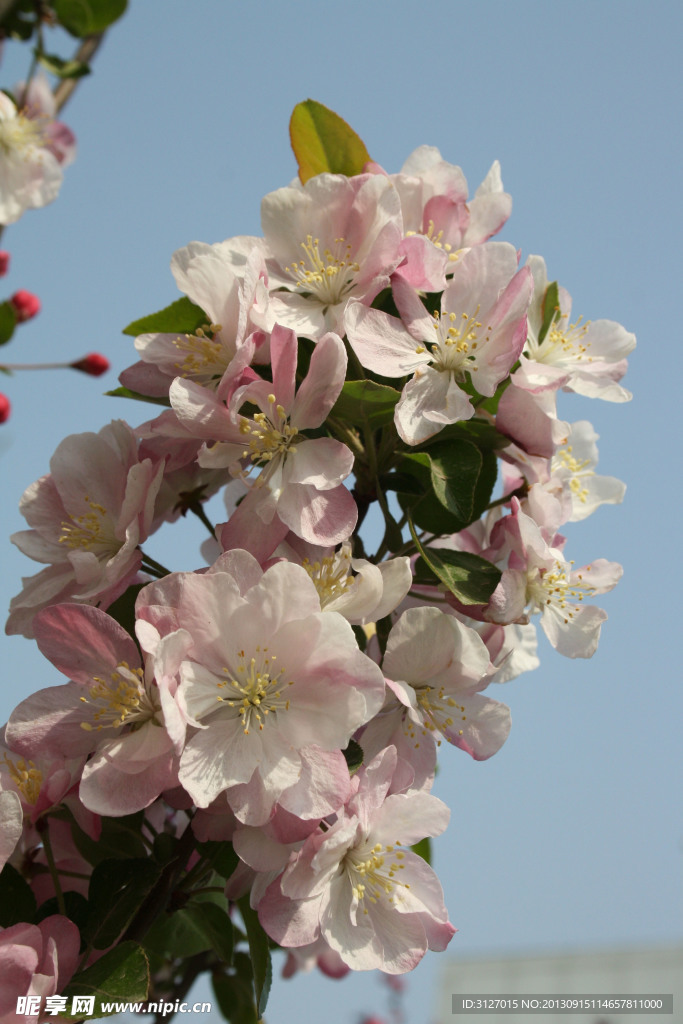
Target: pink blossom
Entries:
(300, 485)
(332, 239)
(266, 675)
(588, 357)
(30, 174)
(376, 905)
(111, 709)
(87, 518)
(479, 333)
(35, 960)
(539, 579)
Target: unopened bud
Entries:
(5, 408)
(26, 305)
(4, 262)
(94, 363)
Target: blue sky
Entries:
(571, 836)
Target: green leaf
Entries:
(123, 608)
(455, 481)
(481, 432)
(364, 399)
(8, 321)
(455, 467)
(551, 309)
(119, 838)
(17, 902)
(220, 855)
(193, 929)
(117, 889)
(76, 905)
(354, 756)
(234, 995)
(121, 975)
(259, 949)
(470, 577)
(127, 393)
(62, 68)
(423, 849)
(181, 317)
(215, 924)
(323, 141)
(88, 17)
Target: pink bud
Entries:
(5, 408)
(94, 363)
(26, 305)
(4, 262)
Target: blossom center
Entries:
(19, 133)
(326, 274)
(554, 588)
(121, 700)
(269, 434)
(26, 777)
(202, 356)
(564, 343)
(564, 459)
(457, 340)
(371, 876)
(438, 708)
(330, 575)
(255, 689)
(88, 530)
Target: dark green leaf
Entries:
(77, 908)
(471, 578)
(423, 849)
(323, 141)
(361, 637)
(259, 949)
(120, 975)
(117, 889)
(127, 393)
(119, 838)
(354, 756)
(8, 321)
(455, 468)
(220, 855)
(17, 902)
(88, 17)
(551, 308)
(481, 432)
(123, 608)
(215, 924)
(164, 848)
(364, 400)
(62, 68)
(235, 996)
(181, 317)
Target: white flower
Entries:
(30, 175)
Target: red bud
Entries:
(94, 363)
(4, 262)
(26, 305)
(5, 408)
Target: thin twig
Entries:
(84, 54)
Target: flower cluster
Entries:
(272, 720)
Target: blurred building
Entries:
(633, 971)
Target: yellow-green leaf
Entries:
(323, 141)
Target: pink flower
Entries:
(30, 174)
(35, 960)
(376, 905)
(479, 334)
(332, 239)
(267, 674)
(87, 518)
(111, 709)
(300, 485)
(588, 358)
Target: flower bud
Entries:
(94, 363)
(26, 305)
(5, 408)
(4, 262)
